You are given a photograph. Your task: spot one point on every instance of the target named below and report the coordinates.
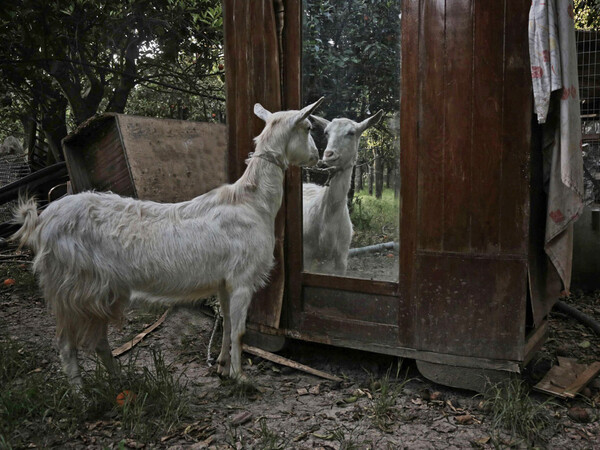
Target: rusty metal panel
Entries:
(471, 305)
(173, 160)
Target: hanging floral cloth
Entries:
(553, 55)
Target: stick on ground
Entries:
(288, 362)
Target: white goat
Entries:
(327, 228)
(96, 251)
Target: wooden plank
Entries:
(409, 156)
(346, 329)
(350, 284)
(393, 349)
(231, 74)
(288, 362)
(534, 341)
(173, 160)
(351, 305)
(138, 338)
(431, 125)
(292, 99)
(471, 306)
(458, 120)
(516, 131)
(253, 49)
(487, 148)
(583, 379)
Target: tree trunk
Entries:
(396, 182)
(371, 177)
(55, 126)
(388, 175)
(30, 128)
(359, 177)
(378, 176)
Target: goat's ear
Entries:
(261, 112)
(373, 120)
(307, 111)
(320, 121)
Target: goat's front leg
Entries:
(240, 301)
(340, 264)
(224, 360)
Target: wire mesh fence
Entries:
(12, 168)
(588, 58)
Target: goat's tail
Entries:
(25, 214)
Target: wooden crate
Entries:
(152, 159)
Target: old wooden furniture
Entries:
(152, 159)
(472, 204)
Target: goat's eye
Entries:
(350, 133)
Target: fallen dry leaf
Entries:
(302, 391)
(437, 395)
(578, 414)
(241, 418)
(465, 419)
(315, 390)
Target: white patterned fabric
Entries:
(553, 55)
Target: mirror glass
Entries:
(351, 55)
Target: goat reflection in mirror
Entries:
(327, 228)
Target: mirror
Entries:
(351, 55)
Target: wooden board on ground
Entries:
(567, 378)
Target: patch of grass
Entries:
(32, 404)
(347, 438)
(157, 403)
(385, 395)
(15, 361)
(42, 408)
(268, 439)
(515, 412)
(375, 220)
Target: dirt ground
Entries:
(382, 403)
(382, 266)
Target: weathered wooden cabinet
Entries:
(153, 159)
(471, 206)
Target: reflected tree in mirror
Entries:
(351, 55)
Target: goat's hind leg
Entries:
(105, 353)
(224, 359)
(68, 358)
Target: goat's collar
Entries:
(270, 157)
(331, 171)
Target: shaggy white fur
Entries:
(96, 251)
(327, 228)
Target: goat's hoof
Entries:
(223, 370)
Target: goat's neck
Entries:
(262, 182)
(336, 193)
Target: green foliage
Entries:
(351, 54)
(64, 61)
(375, 220)
(587, 14)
